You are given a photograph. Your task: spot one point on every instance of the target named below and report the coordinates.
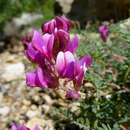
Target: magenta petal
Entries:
(104, 30)
(36, 79)
(30, 52)
(72, 45)
(49, 27)
(86, 60)
(69, 71)
(63, 38)
(72, 94)
(61, 24)
(36, 127)
(49, 42)
(79, 78)
(52, 26)
(37, 42)
(33, 55)
(60, 63)
(40, 78)
(67, 21)
(44, 27)
(45, 79)
(31, 79)
(77, 67)
(14, 127)
(50, 46)
(101, 28)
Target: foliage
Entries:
(14, 8)
(107, 103)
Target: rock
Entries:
(42, 123)
(12, 28)
(47, 99)
(36, 98)
(12, 72)
(88, 84)
(30, 114)
(26, 102)
(34, 107)
(125, 24)
(1, 97)
(66, 5)
(23, 109)
(26, 19)
(74, 107)
(4, 111)
(45, 108)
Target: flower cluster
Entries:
(53, 51)
(104, 31)
(14, 127)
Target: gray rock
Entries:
(1, 97)
(42, 123)
(30, 114)
(12, 72)
(12, 28)
(4, 111)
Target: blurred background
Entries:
(107, 81)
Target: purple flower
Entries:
(72, 45)
(72, 94)
(41, 78)
(61, 41)
(43, 44)
(53, 25)
(68, 66)
(14, 127)
(104, 31)
(26, 40)
(49, 27)
(63, 23)
(36, 127)
(54, 53)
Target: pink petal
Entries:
(60, 63)
(52, 26)
(61, 24)
(36, 79)
(49, 42)
(72, 45)
(49, 27)
(86, 60)
(79, 78)
(50, 46)
(31, 79)
(101, 28)
(37, 42)
(14, 127)
(67, 21)
(63, 38)
(41, 78)
(69, 71)
(33, 55)
(36, 127)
